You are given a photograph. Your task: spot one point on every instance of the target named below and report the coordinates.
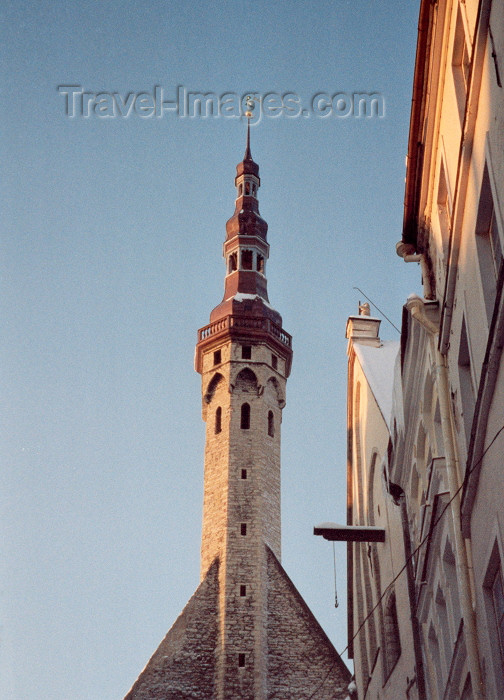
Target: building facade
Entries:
(246, 633)
(379, 636)
(445, 433)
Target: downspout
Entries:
(415, 626)
(416, 307)
(406, 251)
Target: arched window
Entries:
(232, 262)
(245, 416)
(218, 420)
(246, 381)
(247, 187)
(246, 259)
(213, 386)
(271, 424)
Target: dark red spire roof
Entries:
(246, 219)
(247, 165)
(245, 308)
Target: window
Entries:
(488, 244)
(246, 382)
(271, 424)
(497, 589)
(240, 190)
(218, 420)
(246, 259)
(433, 646)
(232, 265)
(217, 357)
(247, 188)
(243, 590)
(493, 591)
(465, 379)
(246, 352)
(443, 211)
(243, 529)
(461, 65)
(214, 383)
(241, 660)
(260, 263)
(274, 361)
(467, 693)
(245, 417)
(244, 474)
(392, 639)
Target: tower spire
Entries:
(246, 249)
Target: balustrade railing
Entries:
(251, 322)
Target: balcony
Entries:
(245, 323)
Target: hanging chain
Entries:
(335, 581)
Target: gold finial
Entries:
(250, 104)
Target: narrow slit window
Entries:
(243, 529)
(244, 474)
(232, 262)
(240, 190)
(260, 263)
(245, 416)
(218, 420)
(274, 361)
(271, 424)
(247, 188)
(241, 660)
(217, 358)
(246, 352)
(243, 590)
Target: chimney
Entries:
(364, 327)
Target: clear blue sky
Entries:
(112, 232)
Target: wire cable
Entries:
(425, 539)
(417, 549)
(336, 604)
(379, 310)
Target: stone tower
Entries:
(244, 358)
(246, 634)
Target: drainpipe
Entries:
(406, 251)
(416, 307)
(415, 626)
(420, 677)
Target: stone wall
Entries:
(183, 666)
(302, 662)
